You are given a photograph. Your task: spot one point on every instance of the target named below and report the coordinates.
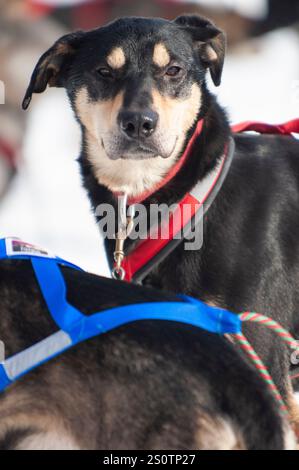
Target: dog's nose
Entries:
(138, 124)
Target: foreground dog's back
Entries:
(147, 385)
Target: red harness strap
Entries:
(148, 249)
(285, 129)
(164, 238)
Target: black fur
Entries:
(146, 385)
(249, 258)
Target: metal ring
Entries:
(118, 273)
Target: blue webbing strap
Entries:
(4, 380)
(79, 326)
(76, 327)
(52, 285)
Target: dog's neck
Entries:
(135, 177)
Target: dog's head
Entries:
(135, 85)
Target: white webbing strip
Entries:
(33, 356)
(201, 189)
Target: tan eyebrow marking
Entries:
(116, 59)
(161, 57)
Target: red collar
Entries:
(150, 252)
(173, 171)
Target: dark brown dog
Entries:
(146, 385)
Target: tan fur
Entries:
(176, 116)
(210, 54)
(211, 304)
(290, 439)
(217, 434)
(43, 406)
(48, 440)
(116, 59)
(46, 64)
(46, 431)
(52, 62)
(220, 434)
(19, 410)
(134, 176)
(161, 57)
(293, 408)
(98, 118)
(63, 48)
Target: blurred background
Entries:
(41, 199)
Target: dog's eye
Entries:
(104, 72)
(173, 71)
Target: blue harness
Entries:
(75, 327)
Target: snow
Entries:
(47, 204)
(260, 81)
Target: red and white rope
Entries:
(254, 357)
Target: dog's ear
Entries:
(209, 41)
(52, 66)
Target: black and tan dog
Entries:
(137, 87)
(146, 385)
